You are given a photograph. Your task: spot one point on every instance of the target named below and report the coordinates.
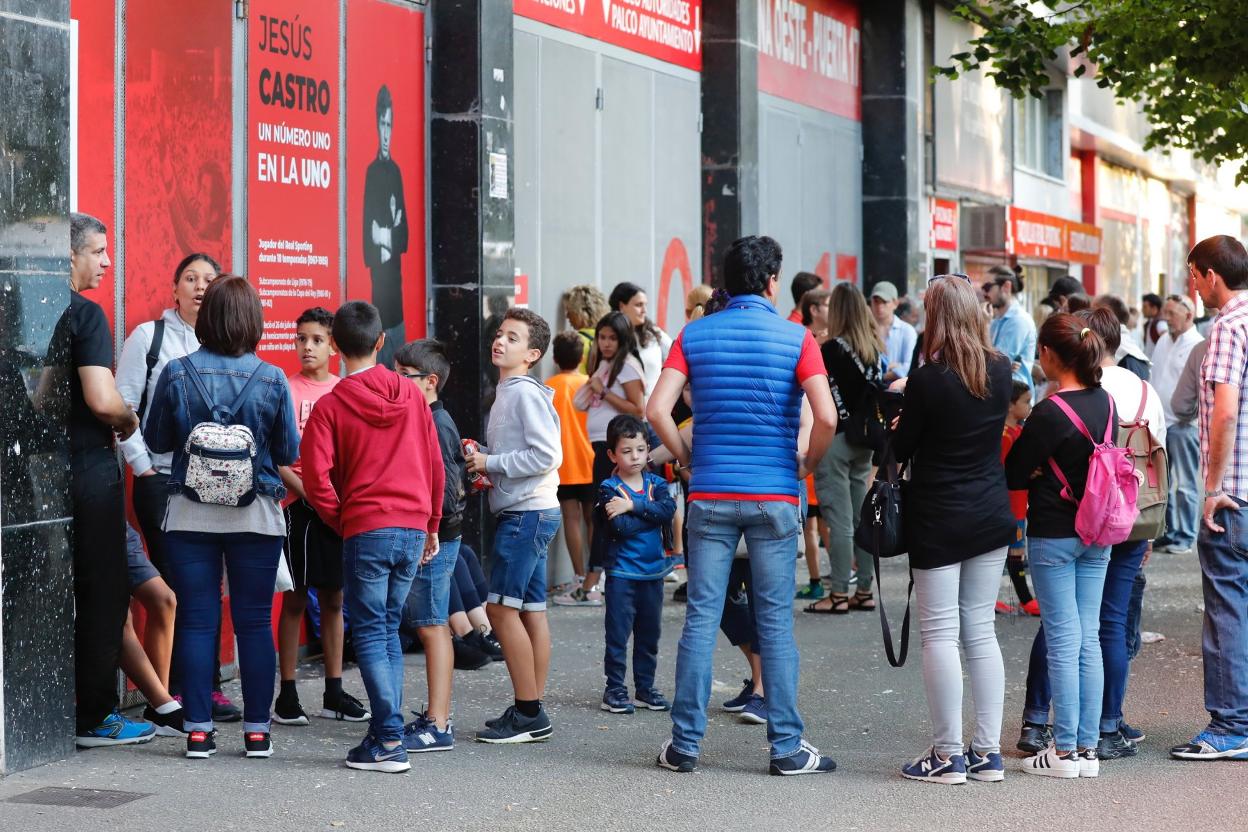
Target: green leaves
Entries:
(1183, 60)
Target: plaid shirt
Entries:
(1226, 362)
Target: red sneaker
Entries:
(1032, 607)
(1005, 609)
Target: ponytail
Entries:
(1077, 346)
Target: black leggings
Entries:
(603, 468)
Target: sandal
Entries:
(864, 601)
(838, 604)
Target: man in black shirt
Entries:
(385, 230)
(96, 410)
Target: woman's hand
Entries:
(596, 385)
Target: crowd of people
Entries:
(1067, 453)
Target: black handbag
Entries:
(880, 532)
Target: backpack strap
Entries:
(221, 415)
(1143, 400)
(1068, 493)
(153, 356)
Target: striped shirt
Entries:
(1226, 362)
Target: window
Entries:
(1038, 134)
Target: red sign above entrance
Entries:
(809, 51)
(1032, 234)
(670, 30)
(944, 231)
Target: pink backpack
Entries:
(1107, 512)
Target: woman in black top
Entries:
(1069, 575)
(958, 526)
(853, 346)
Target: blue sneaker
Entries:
(931, 769)
(807, 760)
(755, 710)
(987, 768)
(651, 700)
(1130, 731)
(736, 704)
(422, 734)
(673, 760)
(116, 730)
(1210, 746)
(616, 701)
(371, 755)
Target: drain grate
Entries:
(79, 798)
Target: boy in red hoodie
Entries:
(373, 471)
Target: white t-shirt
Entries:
(652, 358)
(1125, 388)
(601, 412)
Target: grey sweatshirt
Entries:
(523, 447)
(133, 378)
(1186, 399)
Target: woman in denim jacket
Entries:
(247, 538)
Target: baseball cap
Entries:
(884, 290)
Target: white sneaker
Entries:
(1089, 763)
(1048, 763)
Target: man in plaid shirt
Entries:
(1218, 268)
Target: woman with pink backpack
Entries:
(1051, 459)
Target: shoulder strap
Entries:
(854, 357)
(242, 394)
(895, 658)
(1143, 400)
(153, 356)
(1057, 399)
(197, 382)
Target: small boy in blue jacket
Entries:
(635, 505)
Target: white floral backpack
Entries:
(221, 455)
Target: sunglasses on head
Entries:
(959, 275)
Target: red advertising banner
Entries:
(91, 132)
(670, 30)
(809, 51)
(386, 165)
(292, 159)
(178, 123)
(944, 230)
(1083, 243)
(1033, 234)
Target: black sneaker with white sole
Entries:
(1114, 746)
(515, 727)
(167, 725)
(288, 711)
(200, 745)
(343, 707)
(807, 760)
(257, 744)
(673, 760)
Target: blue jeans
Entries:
(771, 531)
(1183, 508)
(1070, 578)
(633, 608)
(1124, 565)
(1224, 580)
(195, 561)
(1135, 611)
(378, 568)
(518, 573)
(429, 599)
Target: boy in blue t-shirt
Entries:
(635, 505)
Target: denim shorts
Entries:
(430, 595)
(518, 571)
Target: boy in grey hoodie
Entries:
(522, 457)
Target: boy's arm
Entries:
(543, 451)
(317, 453)
(291, 480)
(656, 506)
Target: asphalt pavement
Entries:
(598, 771)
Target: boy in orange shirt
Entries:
(1015, 560)
(576, 480)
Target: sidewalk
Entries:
(598, 771)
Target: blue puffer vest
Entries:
(746, 400)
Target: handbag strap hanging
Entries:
(895, 658)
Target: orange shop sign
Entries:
(1033, 234)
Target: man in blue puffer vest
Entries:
(748, 369)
